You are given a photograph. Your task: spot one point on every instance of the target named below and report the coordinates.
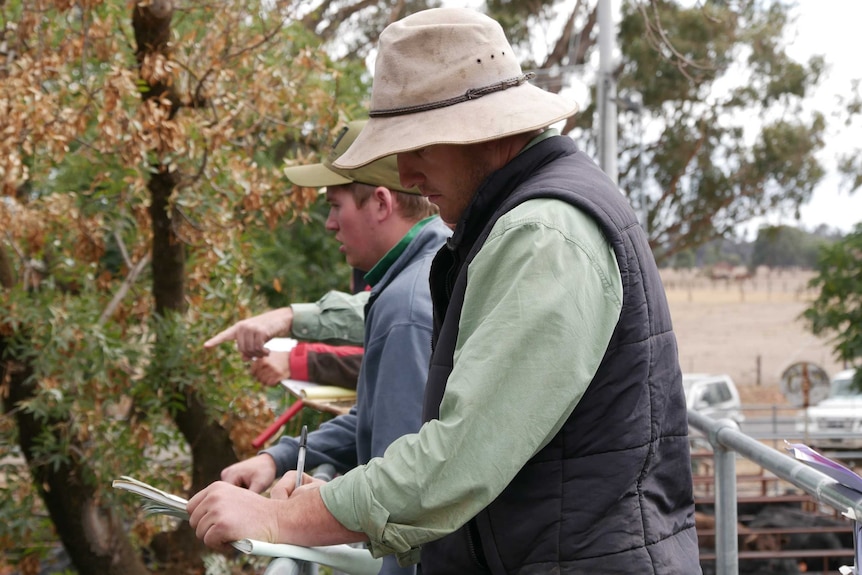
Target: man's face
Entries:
(447, 174)
(353, 226)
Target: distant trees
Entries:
(774, 247)
(785, 246)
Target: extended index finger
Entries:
(221, 337)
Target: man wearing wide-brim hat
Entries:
(556, 438)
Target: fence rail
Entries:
(727, 441)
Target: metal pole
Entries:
(726, 540)
(607, 92)
(725, 433)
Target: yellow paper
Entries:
(328, 393)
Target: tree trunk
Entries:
(169, 259)
(210, 443)
(211, 447)
(7, 275)
(93, 536)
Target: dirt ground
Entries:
(748, 328)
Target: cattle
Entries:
(754, 535)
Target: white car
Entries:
(835, 422)
(713, 395)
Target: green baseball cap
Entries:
(383, 172)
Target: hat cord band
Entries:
(470, 94)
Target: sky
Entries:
(828, 28)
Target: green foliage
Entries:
(81, 371)
(837, 310)
(704, 37)
(723, 251)
(299, 260)
(21, 511)
(784, 156)
(784, 246)
(851, 167)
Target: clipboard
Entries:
(326, 398)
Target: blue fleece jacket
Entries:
(398, 325)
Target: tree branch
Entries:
(657, 36)
(124, 288)
(564, 48)
(338, 17)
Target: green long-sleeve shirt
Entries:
(543, 297)
(337, 318)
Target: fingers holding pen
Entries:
(282, 491)
(286, 487)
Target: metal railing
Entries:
(727, 441)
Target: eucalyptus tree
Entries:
(715, 124)
(140, 142)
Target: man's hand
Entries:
(223, 513)
(287, 484)
(272, 369)
(252, 334)
(255, 474)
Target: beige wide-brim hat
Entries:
(383, 172)
(448, 76)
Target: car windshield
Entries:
(689, 379)
(843, 387)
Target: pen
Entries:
(300, 458)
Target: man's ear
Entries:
(384, 202)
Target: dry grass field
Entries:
(748, 328)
